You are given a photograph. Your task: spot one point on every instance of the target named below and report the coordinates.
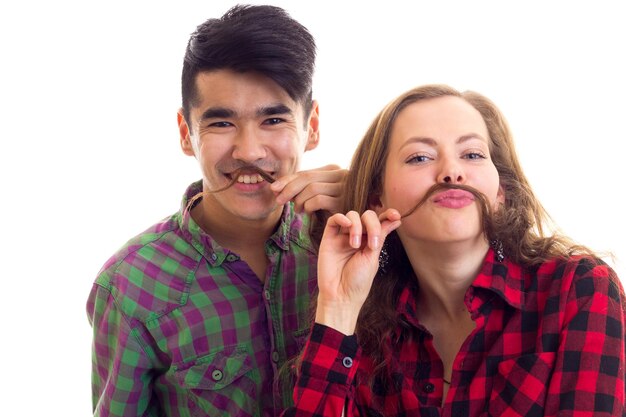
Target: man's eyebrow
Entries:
(274, 110)
(217, 113)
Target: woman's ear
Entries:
(501, 196)
(374, 203)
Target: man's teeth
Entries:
(250, 179)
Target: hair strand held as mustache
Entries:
(486, 213)
(234, 178)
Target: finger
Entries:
(372, 229)
(325, 173)
(337, 221)
(308, 183)
(390, 215)
(388, 227)
(318, 188)
(320, 197)
(356, 229)
(390, 220)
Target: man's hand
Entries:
(312, 190)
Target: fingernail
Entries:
(276, 185)
(356, 241)
(374, 242)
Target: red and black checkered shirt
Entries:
(548, 341)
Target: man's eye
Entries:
(273, 121)
(220, 124)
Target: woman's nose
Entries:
(451, 173)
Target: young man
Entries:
(197, 315)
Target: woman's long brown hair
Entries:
(521, 224)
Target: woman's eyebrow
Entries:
(420, 139)
(432, 142)
(470, 136)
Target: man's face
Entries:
(242, 119)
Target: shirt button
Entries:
(275, 356)
(347, 362)
(267, 294)
(213, 256)
(428, 387)
(217, 375)
(231, 258)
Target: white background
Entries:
(89, 144)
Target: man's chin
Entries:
(259, 213)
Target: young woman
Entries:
(471, 307)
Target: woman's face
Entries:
(440, 140)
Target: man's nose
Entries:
(248, 146)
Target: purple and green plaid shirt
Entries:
(183, 327)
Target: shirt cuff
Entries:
(330, 356)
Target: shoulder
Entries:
(578, 282)
(580, 273)
(150, 275)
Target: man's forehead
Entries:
(228, 85)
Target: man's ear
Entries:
(183, 130)
(313, 137)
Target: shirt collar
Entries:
(292, 227)
(505, 278)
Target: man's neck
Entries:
(233, 232)
(245, 237)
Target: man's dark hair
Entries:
(263, 39)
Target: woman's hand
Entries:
(347, 264)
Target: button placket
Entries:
(347, 362)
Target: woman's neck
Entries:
(445, 272)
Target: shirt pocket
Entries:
(221, 383)
(520, 386)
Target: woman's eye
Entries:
(474, 155)
(416, 159)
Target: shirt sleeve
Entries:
(121, 369)
(590, 372)
(325, 380)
